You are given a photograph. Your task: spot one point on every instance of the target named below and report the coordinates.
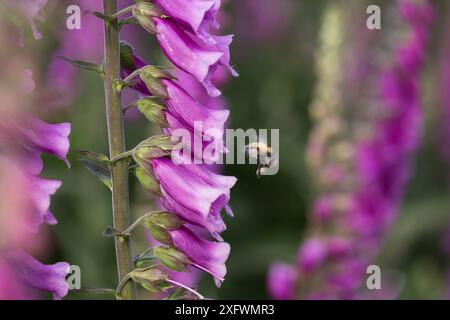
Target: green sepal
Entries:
(146, 261)
(152, 279)
(153, 109)
(103, 16)
(148, 181)
(166, 220)
(172, 258)
(154, 85)
(152, 148)
(143, 13)
(162, 141)
(160, 234)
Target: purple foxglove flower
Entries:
(281, 281)
(183, 112)
(40, 276)
(223, 44)
(10, 287)
(379, 166)
(196, 90)
(182, 106)
(192, 56)
(323, 209)
(312, 254)
(195, 198)
(347, 278)
(40, 192)
(14, 204)
(39, 137)
(205, 255)
(194, 146)
(197, 15)
(180, 103)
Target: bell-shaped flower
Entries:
(203, 124)
(48, 138)
(181, 111)
(25, 200)
(312, 254)
(191, 55)
(40, 276)
(40, 192)
(281, 281)
(196, 15)
(195, 194)
(29, 137)
(206, 255)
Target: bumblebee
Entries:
(264, 156)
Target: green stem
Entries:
(122, 156)
(134, 225)
(122, 285)
(119, 170)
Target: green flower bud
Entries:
(152, 279)
(166, 220)
(143, 13)
(153, 110)
(160, 234)
(172, 258)
(148, 181)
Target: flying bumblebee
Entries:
(264, 155)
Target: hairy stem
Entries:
(119, 170)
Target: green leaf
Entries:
(103, 16)
(93, 156)
(97, 164)
(99, 170)
(85, 65)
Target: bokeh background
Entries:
(274, 50)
